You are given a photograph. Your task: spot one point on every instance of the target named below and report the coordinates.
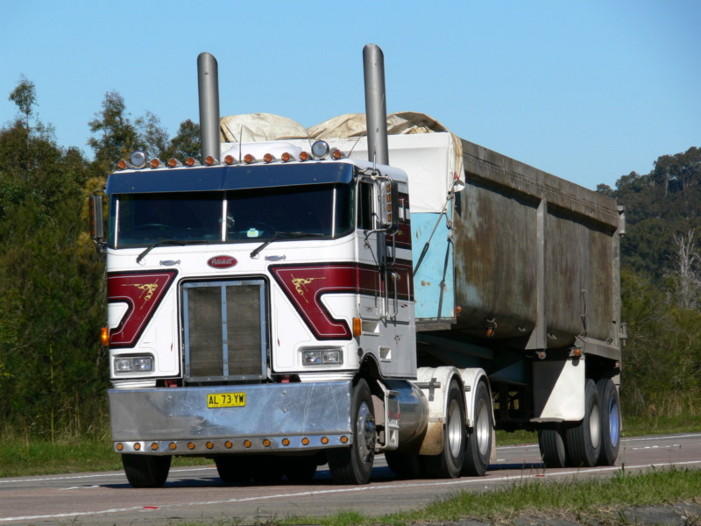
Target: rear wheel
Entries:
(299, 470)
(583, 441)
(552, 447)
(268, 469)
(610, 421)
(404, 465)
(353, 465)
(479, 438)
(146, 471)
(449, 463)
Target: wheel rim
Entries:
(595, 426)
(482, 428)
(365, 430)
(454, 429)
(614, 422)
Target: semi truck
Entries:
(371, 285)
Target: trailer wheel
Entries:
(610, 421)
(552, 447)
(353, 465)
(479, 438)
(583, 441)
(236, 469)
(146, 471)
(449, 463)
(268, 469)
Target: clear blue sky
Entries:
(587, 90)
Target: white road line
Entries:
(458, 482)
(39, 478)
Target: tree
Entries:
(24, 95)
(686, 273)
(116, 136)
(187, 141)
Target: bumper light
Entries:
(133, 364)
(327, 356)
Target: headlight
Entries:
(322, 356)
(133, 364)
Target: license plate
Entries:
(215, 400)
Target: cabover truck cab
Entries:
(302, 301)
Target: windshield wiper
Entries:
(168, 242)
(282, 235)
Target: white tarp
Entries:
(418, 144)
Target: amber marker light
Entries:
(137, 447)
(266, 442)
(228, 444)
(122, 164)
(105, 336)
(209, 160)
(285, 441)
(337, 154)
(344, 439)
(248, 158)
(247, 443)
(190, 161)
(305, 441)
(191, 445)
(324, 440)
(357, 327)
(286, 157)
(173, 446)
(304, 156)
(268, 158)
(209, 445)
(229, 159)
(172, 162)
(155, 163)
(154, 446)
(120, 447)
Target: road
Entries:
(196, 493)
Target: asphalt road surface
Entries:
(197, 493)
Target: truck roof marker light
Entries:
(248, 158)
(320, 149)
(155, 163)
(229, 159)
(191, 161)
(210, 161)
(173, 163)
(304, 156)
(122, 165)
(105, 337)
(287, 157)
(137, 159)
(268, 158)
(337, 154)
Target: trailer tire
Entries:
(146, 471)
(299, 470)
(583, 440)
(234, 469)
(479, 438)
(552, 447)
(610, 421)
(353, 465)
(449, 463)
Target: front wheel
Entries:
(146, 471)
(479, 438)
(353, 465)
(449, 463)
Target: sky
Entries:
(586, 90)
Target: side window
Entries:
(365, 209)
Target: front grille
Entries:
(225, 332)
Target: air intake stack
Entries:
(208, 85)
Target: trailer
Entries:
(371, 285)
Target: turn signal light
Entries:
(105, 337)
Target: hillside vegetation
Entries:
(53, 372)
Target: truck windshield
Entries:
(233, 216)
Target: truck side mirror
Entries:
(389, 206)
(97, 222)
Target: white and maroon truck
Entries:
(328, 295)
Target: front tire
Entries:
(353, 465)
(449, 463)
(583, 441)
(479, 438)
(146, 471)
(610, 421)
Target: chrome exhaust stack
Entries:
(208, 86)
(375, 105)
